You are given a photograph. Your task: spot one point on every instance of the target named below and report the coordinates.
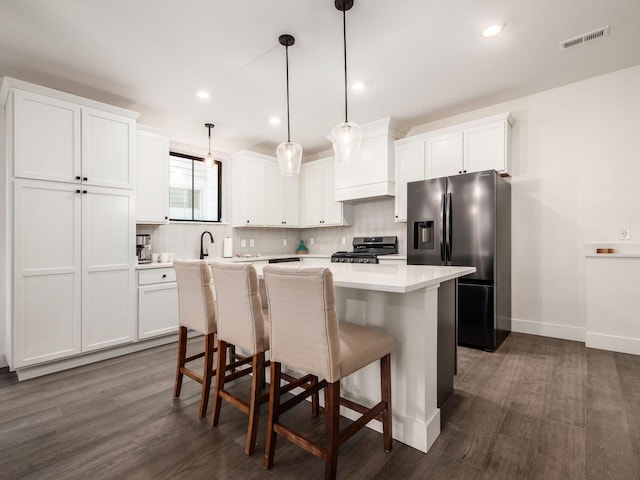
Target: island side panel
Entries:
(412, 319)
(447, 339)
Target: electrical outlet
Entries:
(625, 233)
(311, 241)
(344, 240)
(252, 243)
(284, 242)
(243, 243)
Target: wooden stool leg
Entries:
(209, 345)
(182, 355)
(220, 378)
(385, 385)
(274, 414)
(314, 398)
(257, 366)
(332, 413)
(232, 357)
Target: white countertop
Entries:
(390, 278)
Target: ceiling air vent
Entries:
(585, 37)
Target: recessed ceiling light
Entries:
(359, 85)
(203, 94)
(274, 120)
(493, 29)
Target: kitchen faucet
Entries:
(203, 252)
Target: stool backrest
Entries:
(196, 302)
(240, 318)
(303, 325)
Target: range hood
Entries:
(372, 175)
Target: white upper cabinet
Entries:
(469, 147)
(60, 137)
(372, 173)
(486, 147)
(320, 207)
(249, 181)
(108, 149)
(46, 138)
(281, 198)
(152, 178)
(444, 155)
(262, 197)
(410, 165)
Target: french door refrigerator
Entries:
(465, 220)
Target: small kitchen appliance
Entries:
(143, 248)
(367, 249)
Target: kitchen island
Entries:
(416, 305)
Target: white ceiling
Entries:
(421, 59)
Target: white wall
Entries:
(576, 152)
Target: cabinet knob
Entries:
(84, 179)
(164, 275)
(396, 216)
(464, 171)
(247, 221)
(78, 191)
(84, 191)
(77, 177)
(459, 171)
(166, 218)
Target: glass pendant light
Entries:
(208, 161)
(289, 153)
(347, 136)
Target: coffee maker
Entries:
(143, 248)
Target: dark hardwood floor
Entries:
(538, 408)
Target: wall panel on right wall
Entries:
(576, 166)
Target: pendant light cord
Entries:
(344, 38)
(288, 122)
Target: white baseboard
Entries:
(613, 343)
(555, 330)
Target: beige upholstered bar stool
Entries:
(243, 323)
(197, 311)
(305, 334)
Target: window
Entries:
(194, 190)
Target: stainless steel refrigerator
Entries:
(465, 220)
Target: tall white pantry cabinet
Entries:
(69, 225)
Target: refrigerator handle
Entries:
(443, 247)
(449, 239)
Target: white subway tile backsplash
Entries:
(374, 217)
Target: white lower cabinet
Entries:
(74, 259)
(157, 302)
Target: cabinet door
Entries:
(46, 138)
(152, 178)
(108, 149)
(290, 201)
(444, 155)
(485, 148)
(410, 167)
(47, 272)
(331, 210)
(107, 268)
(274, 195)
(313, 194)
(249, 207)
(157, 310)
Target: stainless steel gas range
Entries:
(367, 249)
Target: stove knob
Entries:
(350, 260)
(361, 260)
(342, 260)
